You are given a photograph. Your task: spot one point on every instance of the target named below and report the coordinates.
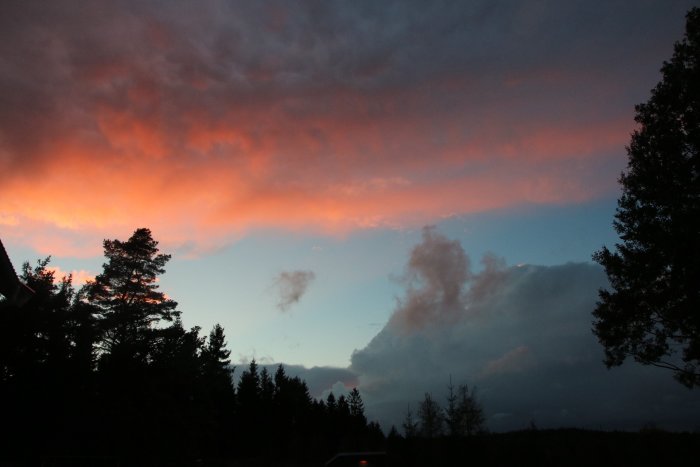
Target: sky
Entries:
(376, 194)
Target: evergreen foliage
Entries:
(357, 407)
(109, 372)
(430, 418)
(410, 425)
(463, 416)
(652, 310)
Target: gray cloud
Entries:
(290, 286)
(312, 60)
(277, 102)
(522, 335)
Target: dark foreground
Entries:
(563, 447)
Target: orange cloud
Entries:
(204, 138)
(222, 183)
(79, 277)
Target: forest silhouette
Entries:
(109, 372)
(106, 375)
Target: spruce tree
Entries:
(470, 412)
(431, 418)
(357, 407)
(215, 359)
(410, 426)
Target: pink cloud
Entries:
(515, 360)
(79, 277)
(218, 137)
(206, 196)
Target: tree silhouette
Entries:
(357, 407)
(470, 413)
(267, 388)
(393, 434)
(452, 412)
(430, 418)
(343, 407)
(39, 335)
(464, 415)
(294, 412)
(249, 386)
(110, 370)
(331, 404)
(248, 409)
(218, 398)
(652, 311)
(215, 358)
(127, 298)
(410, 425)
(46, 347)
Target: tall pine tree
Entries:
(126, 295)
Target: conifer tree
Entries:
(126, 295)
(452, 414)
(249, 386)
(410, 425)
(357, 407)
(652, 310)
(267, 387)
(431, 418)
(343, 412)
(331, 404)
(470, 413)
(215, 358)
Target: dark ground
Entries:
(563, 447)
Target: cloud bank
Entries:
(207, 121)
(522, 336)
(291, 286)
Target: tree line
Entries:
(463, 416)
(108, 371)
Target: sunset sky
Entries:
(290, 154)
